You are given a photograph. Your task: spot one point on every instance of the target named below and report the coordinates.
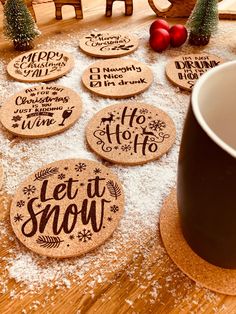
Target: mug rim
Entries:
(194, 100)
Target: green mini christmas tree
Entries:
(19, 26)
(203, 22)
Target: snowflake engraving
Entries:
(80, 167)
(126, 148)
(15, 125)
(97, 171)
(84, 235)
(18, 217)
(109, 219)
(16, 118)
(71, 237)
(114, 208)
(143, 111)
(61, 176)
(20, 203)
(157, 125)
(28, 190)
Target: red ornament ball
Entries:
(178, 35)
(159, 40)
(159, 23)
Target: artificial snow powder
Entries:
(145, 186)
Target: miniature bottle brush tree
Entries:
(203, 22)
(19, 25)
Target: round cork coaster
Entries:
(40, 65)
(209, 276)
(117, 78)
(185, 70)
(130, 133)
(108, 44)
(41, 111)
(67, 208)
(1, 176)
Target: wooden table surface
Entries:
(119, 294)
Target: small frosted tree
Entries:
(203, 22)
(19, 25)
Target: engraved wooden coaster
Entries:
(67, 208)
(209, 276)
(1, 176)
(40, 65)
(130, 133)
(117, 78)
(185, 70)
(109, 44)
(41, 111)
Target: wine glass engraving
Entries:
(65, 115)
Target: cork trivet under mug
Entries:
(206, 180)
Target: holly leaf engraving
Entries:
(122, 47)
(17, 71)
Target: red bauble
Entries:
(159, 40)
(178, 35)
(159, 23)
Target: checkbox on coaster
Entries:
(95, 84)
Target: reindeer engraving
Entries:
(109, 120)
(128, 7)
(149, 133)
(176, 8)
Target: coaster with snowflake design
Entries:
(40, 111)
(67, 208)
(108, 44)
(130, 133)
(40, 65)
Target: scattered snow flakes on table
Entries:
(145, 186)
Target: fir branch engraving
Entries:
(46, 173)
(49, 242)
(113, 189)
